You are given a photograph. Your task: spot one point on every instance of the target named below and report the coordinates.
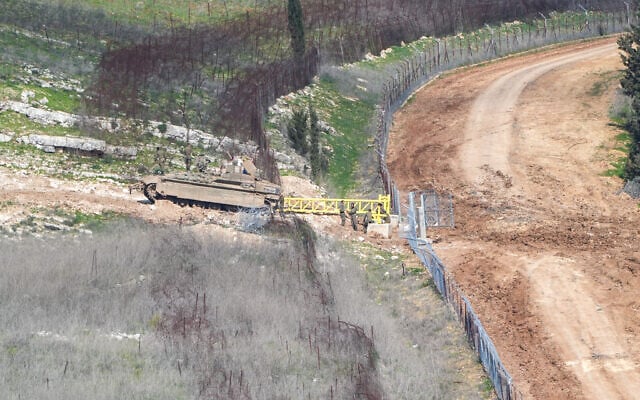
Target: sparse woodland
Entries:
(223, 69)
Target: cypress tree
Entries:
(297, 131)
(296, 28)
(629, 44)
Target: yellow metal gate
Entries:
(379, 208)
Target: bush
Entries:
(297, 131)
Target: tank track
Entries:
(150, 192)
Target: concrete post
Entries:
(422, 224)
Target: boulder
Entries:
(122, 151)
(44, 117)
(381, 230)
(65, 142)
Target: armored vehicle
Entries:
(232, 190)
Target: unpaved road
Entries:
(545, 248)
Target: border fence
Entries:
(476, 334)
(438, 209)
(446, 54)
(482, 45)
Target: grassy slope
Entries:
(63, 305)
(350, 112)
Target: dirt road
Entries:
(545, 248)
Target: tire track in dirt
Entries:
(490, 124)
(589, 345)
(593, 351)
(587, 341)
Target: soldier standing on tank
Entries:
(343, 213)
(353, 213)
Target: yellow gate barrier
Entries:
(379, 208)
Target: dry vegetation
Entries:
(140, 311)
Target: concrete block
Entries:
(395, 221)
(382, 230)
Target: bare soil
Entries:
(545, 246)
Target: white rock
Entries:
(26, 95)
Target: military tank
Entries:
(238, 188)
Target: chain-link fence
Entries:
(446, 285)
(438, 209)
(446, 54)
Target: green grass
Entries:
(617, 167)
(57, 99)
(19, 48)
(351, 118)
(623, 141)
(487, 386)
(38, 218)
(380, 263)
(22, 125)
(70, 166)
(92, 221)
(399, 53)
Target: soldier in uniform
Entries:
(368, 218)
(160, 159)
(343, 213)
(353, 213)
(279, 207)
(187, 156)
(384, 215)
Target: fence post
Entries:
(422, 219)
